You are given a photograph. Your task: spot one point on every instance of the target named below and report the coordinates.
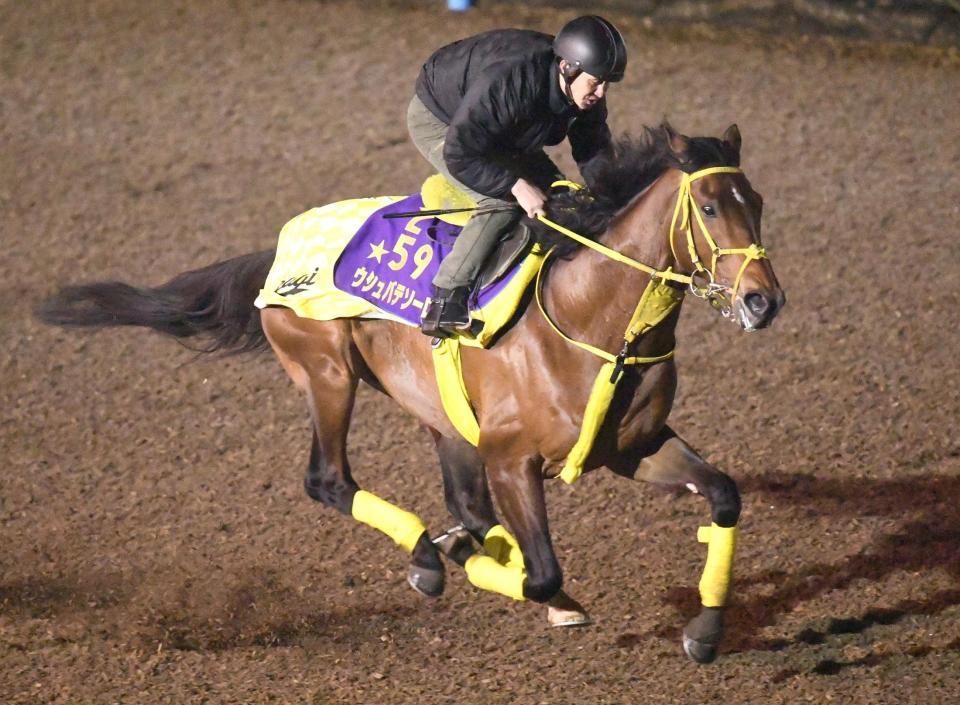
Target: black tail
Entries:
(216, 301)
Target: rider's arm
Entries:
(481, 128)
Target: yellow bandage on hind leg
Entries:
(715, 582)
(400, 525)
(487, 574)
(502, 547)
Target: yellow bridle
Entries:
(681, 212)
(686, 204)
(656, 303)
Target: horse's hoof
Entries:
(426, 581)
(566, 618)
(699, 651)
(702, 636)
(564, 611)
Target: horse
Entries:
(641, 226)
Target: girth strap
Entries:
(659, 299)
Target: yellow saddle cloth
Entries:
(302, 275)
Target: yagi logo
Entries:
(294, 285)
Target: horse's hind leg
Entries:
(468, 501)
(319, 359)
(673, 463)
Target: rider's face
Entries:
(587, 90)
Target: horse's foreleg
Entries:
(468, 499)
(519, 491)
(673, 463)
(465, 486)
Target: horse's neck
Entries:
(594, 296)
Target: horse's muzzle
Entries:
(757, 309)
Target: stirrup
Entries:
(446, 313)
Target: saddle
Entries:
(439, 194)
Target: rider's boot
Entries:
(446, 312)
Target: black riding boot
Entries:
(446, 312)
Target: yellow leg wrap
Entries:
(400, 525)
(503, 548)
(715, 582)
(487, 574)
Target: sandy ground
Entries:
(156, 543)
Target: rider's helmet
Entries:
(594, 45)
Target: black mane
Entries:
(614, 177)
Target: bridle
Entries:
(656, 303)
(719, 296)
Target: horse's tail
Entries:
(215, 302)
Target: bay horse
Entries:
(531, 388)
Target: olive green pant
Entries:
(479, 237)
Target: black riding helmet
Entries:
(594, 45)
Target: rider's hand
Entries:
(530, 198)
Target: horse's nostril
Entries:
(757, 303)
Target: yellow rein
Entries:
(685, 204)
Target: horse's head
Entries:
(715, 231)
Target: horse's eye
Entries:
(709, 211)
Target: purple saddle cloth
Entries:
(391, 262)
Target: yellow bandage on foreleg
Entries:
(715, 582)
(502, 547)
(400, 525)
(487, 574)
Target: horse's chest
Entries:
(639, 409)
(636, 414)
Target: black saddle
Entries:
(512, 246)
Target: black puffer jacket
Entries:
(500, 94)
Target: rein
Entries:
(656, 303)
(712, 291)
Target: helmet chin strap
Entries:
(567, 83)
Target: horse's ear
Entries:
(678, 143)
(732, 137)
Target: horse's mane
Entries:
(616, 175)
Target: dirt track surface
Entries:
(156, 544)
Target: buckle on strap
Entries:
(619, 362)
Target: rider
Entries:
(484, 108)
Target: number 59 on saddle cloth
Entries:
(345, 260)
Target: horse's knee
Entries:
(541, 586)
(724, 498)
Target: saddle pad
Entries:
(346, 260)
(301, 277)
